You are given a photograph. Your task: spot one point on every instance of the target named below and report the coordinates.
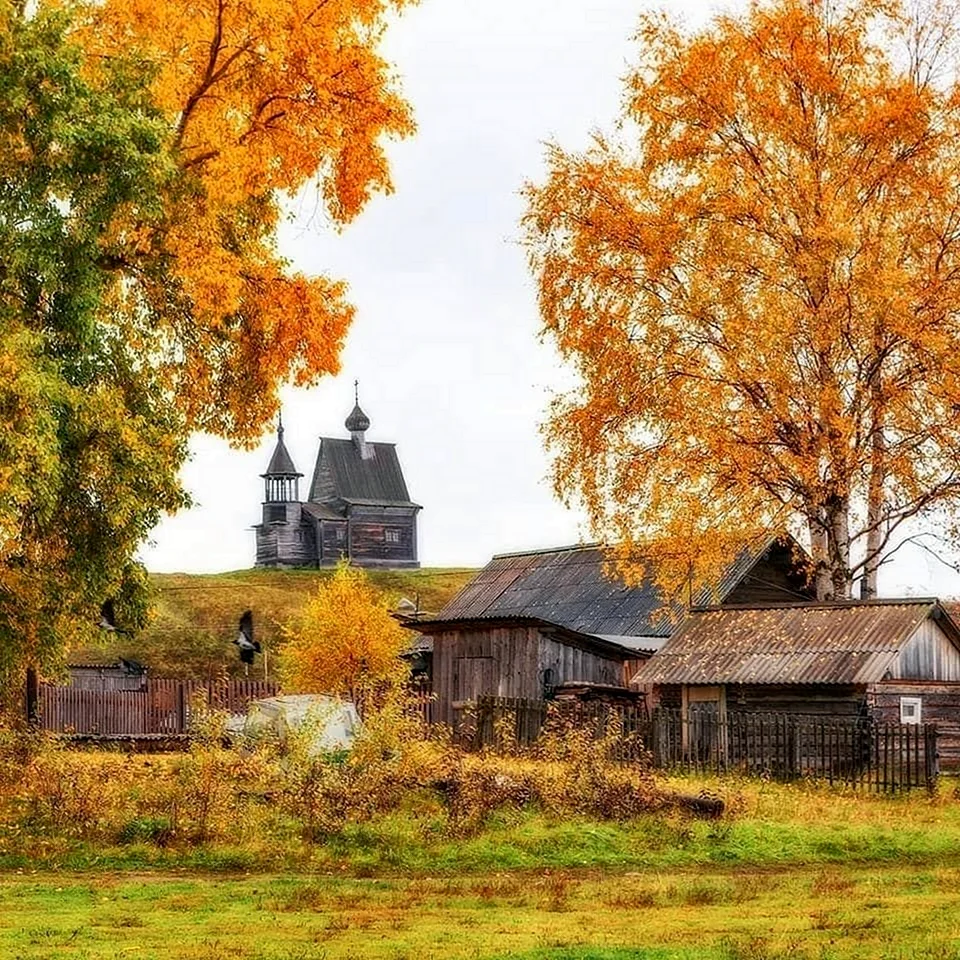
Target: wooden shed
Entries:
(888, 660)
(531, 622)
(122, 675)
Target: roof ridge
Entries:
(568, 548)
(820, 604)
(370, 443)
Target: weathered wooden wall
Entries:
(940, 704)
(288, 542)
(928, 655)
(827, 700)
(774, 578)
(383, 536)
(509, 661)
(105, 678)
(163, 708)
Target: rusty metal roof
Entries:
(571, 587)
(854, 642)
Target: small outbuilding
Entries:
(105, 677)
(893, 661)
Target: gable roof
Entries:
(850, 642)
(567, 586)
(376, 480)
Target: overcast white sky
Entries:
(445, 341)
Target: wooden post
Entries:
(32, 696)
(181, 708)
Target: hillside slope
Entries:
(196, 616)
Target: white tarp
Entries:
(330, 724)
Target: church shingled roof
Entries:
(376, 479)
(281, 463)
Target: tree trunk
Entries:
(819, 550)
(830, 546)
(868, 587)
(840, 550)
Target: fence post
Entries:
(931, 757)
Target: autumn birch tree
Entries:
(757, 281)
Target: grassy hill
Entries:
(196, 615)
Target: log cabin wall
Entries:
(283, 539)
(332, 541)
(939, 704)
(383, 536)
(825, 700)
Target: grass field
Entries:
(724, 914)
(790, 871)
(195, 615)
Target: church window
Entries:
(392, 536)
(341, 534)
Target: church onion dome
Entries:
(358, 421)
(281, 463)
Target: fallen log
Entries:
(703, 805)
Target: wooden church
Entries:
(358, 507)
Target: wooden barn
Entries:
(530, 623)
(891, 661)
(357, 508)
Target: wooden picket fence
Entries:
(860, 752)
(162, 709)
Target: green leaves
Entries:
(90, 439)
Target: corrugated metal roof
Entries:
(568, 587)
(375, 480)
(791, 643)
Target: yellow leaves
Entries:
(263, 97)
(346, 642)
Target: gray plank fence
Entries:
(161, 709)
(859, 752)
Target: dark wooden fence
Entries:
(859, 752)
(420, 701)
(162, 709)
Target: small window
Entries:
(341, 534)
(910, 709)
(392, 536)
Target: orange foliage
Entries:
(263, 98)
(758, 283)
(345, 642)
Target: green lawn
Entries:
(891, 912)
